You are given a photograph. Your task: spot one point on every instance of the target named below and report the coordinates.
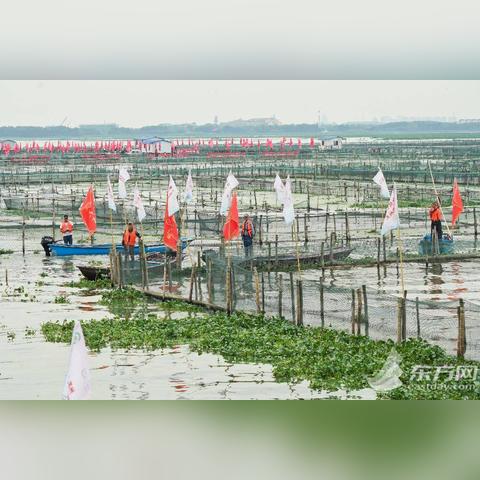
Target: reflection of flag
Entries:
(77, 382)
(88, 213)
(230, 184)
(189, 188)
(457, 203)
(137, 202)
(231, 229)
(172, 197)
(392, 220)
(379, 179)
(288, 211)
(123, 177)
(111, 200)
(280, 189)
(170, 230)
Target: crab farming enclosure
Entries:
(331, 267)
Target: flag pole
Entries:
(400, 253)
(295, 226)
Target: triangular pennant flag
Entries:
(392, 220)
(189, 188)
(123, 177)
(88, 212)
(379, 179)
(170, 230)
(172, 196)
(137, 202)
(279, 189)
(231, 229)
(457, 203)
(230, 184)
(77, 382)
(288, 210)
(110, 198)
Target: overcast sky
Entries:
(136, 103)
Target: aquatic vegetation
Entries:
(327, 358)
(90, 284)
(11, 336)
(61, 299)
(5, 251)
(29, 332)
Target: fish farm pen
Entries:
(330, 267)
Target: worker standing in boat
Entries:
(435, 213)
(248, 232)
(130, 236)
(66, 229)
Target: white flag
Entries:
(379, 179)
(392, 220)
(230, 184)
(123, 177)
(137, 202)
(77, 383)
(111, 200)
(288, 211)
(172, 195)
(189, 188)
(280, 189)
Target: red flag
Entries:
(170, 230)
(457, 204)
(88, 213)
(231, 229)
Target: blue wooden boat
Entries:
(62, 250)
(445, 245)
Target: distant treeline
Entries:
(405, 129)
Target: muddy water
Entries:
(31, 368)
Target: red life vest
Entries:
(129, 238)
(66, 227)
(247, 228)
(435, 214)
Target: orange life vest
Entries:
(129, 238)
(435, 214)
(247, 227)
(66, 227)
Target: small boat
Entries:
(445, 245)
(94, 273)
(62, 250)
(99, 273)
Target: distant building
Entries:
(12, 143)
(330, 143)
(156, 144)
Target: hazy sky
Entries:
(135, 103)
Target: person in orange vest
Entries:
(247, 232)
(130, 236)
(435, 213)
(66, 229)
